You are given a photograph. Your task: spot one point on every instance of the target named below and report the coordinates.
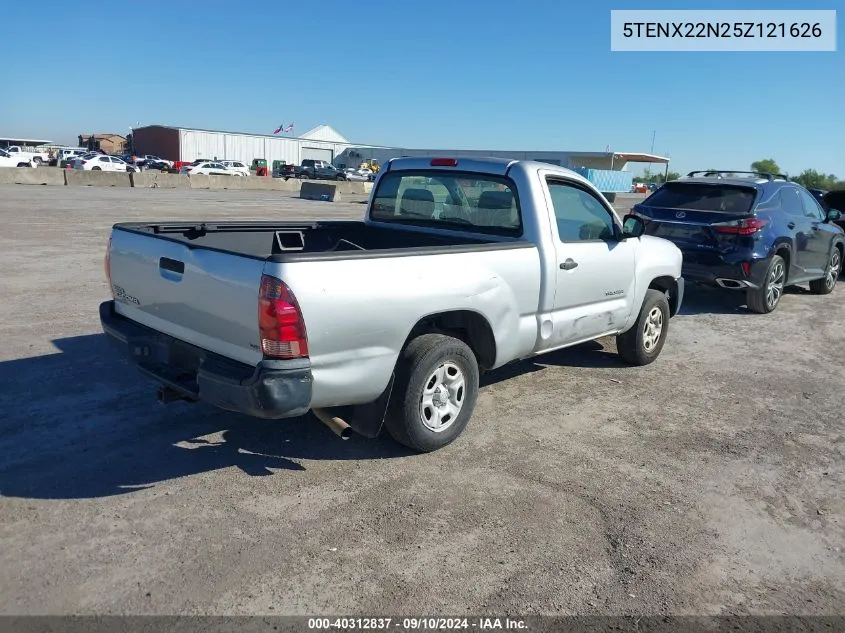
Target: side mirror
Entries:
(833, 215)
(632, 226)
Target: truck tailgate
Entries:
(200, 296)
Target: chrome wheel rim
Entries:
(833, 268)
(652, 329)
(442, 397)
(774, 285)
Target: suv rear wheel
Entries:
(766, 298)
(826, 284)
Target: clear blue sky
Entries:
(439, 74)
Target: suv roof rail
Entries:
(718, 174)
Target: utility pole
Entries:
(653, 134)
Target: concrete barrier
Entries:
(355, 187)
(160, 180)
(199, 181)
(312, 190)
(84, 178)
(30, 176)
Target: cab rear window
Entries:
(448, 200)
(701, 197)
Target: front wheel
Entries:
(641, 344)
(826, 284)
(434, 393)
(766, 298)
(38, 160)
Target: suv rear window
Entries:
(701, 197)
(449, 200)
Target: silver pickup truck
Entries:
(459, 267)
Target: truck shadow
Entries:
(706, 300)
(82, 423)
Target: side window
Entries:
(811, 207)
(790, 202)
(580, 216)
(104, 159)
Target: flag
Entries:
(279, 129)
(289, 128)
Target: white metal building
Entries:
(188, 144)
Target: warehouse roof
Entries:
(317, 130)
(6, 140)
(325, 133)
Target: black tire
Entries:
(633, 346)
(38, 160)
(24, 165)
(416, 367)
(826, 284)
(96, 169)
(303, 176)
(758, 298)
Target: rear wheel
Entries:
(642, 344)
(826, 284)
(766, 298)
(96, 169)
(24, 165)
(434, 393)
(303, 176)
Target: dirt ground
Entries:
(710, 482)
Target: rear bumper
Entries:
(273, 389)
(723, 273)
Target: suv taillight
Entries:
(741, 227)
(280, 323)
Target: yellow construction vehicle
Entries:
(372, 164)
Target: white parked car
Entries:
(236, 167)
(102, 162)
(356, 175)
(8, 160)
(208, 168)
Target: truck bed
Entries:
(297, 241)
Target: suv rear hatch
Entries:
(700, 217)
(198, 295)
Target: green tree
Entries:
(812, 179)
(767, 165)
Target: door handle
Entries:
(791, 225)
(569, 264)
(171, 265)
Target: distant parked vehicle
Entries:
(356, 175)
(103, 162)
(8, 160)
(208, 168)
(313, 169)
(28, 154)
(236, 167)
(158, 165)
(65, 154)
(835, 201)
(750, 231)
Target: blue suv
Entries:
(747, 231)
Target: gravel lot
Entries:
(710, 482)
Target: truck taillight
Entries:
(108, 263)
(280, 323)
